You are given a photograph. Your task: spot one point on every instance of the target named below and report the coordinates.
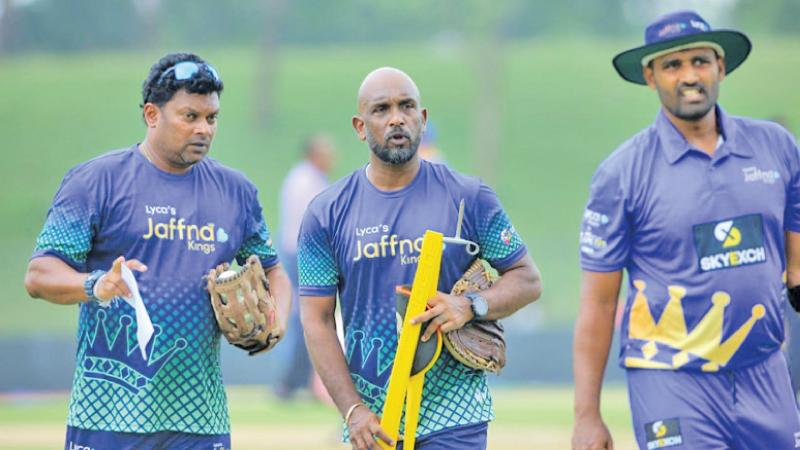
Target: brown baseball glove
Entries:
(480, 343)
(246, 312)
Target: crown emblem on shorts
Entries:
(704, 341)
(118, 362)
(366, 366)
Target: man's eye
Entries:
(191, 116)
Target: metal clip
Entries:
(471, 247)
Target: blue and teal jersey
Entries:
(361, 242)
(180, 226)
(702, 240)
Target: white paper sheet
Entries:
(144, 327)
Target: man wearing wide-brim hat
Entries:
(702, 209)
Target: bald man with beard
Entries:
(361, 237)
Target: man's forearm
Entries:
(593, 333)
(517, 287)
(328, 360)
(51, 279)
(281, 288)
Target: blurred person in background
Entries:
(428, 149)
(163, 209)
(702, 209)
(303, 182)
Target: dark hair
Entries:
(159, 91)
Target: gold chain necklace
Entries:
(146, 154)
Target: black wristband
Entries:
(794, 297)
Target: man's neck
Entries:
(702, 134)
(155, 158)
(391, 177)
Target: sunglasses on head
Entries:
(188, 69)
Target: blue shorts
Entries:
(80, 439)
(750, 408)
(469, 437)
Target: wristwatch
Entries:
(88, 285)
(480, 307)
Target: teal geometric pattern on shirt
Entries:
(186, 394)
(315, 263)
(497, 237)
(259, 244)
(453, 395)
(67, 230)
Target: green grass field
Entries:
(529, 418)
(562, 110)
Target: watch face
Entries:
(479, 305)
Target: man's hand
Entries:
(448, 313)
(591, 433)
(111, 284)
(365, 429)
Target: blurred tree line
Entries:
(82, 25)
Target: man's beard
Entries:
(693, 113)
(394, 156)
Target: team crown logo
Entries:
(117, 362)
(369, 372)
(704, 341)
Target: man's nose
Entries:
(396, 119)
(204, 128)
(689, 75)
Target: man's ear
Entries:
(647, 72)
(151, 113)
(358, 125)
(721, 63)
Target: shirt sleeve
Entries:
(791, 221)
(72, 221)
(605, 230)
(316, 266)
(500, 243)
(258, 240)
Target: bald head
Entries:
(386, 82)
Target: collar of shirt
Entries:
(675, 145)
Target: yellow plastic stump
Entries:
(402, 386)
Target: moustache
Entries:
(397, 132)
(699, 86)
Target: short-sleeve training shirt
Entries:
(180, 226)
(361, 242)
(702, 240)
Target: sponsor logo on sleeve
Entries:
(594, 218)
(663, 433)
(730, 243)
(591, 243)
(507, 235)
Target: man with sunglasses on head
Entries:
(165, 211)
(702, 209)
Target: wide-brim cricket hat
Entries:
(678, 31)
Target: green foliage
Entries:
(80, 25)
(563, 110)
